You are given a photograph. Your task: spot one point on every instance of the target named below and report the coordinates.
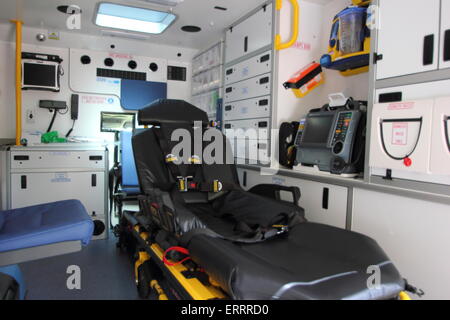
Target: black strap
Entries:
(258, 235)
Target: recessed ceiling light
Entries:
(123, 17)
(69, 9)
(191, 29)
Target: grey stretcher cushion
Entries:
(44, 224)
(313, 261)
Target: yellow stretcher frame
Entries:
(193, 287)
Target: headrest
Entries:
(171, 111)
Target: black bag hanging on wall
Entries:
(287, 152)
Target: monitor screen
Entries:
(42, 75)
(317, 129)
(117, 122)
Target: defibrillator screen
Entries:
(317, 129)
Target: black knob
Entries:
(338, 147)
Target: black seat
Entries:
(255, 246)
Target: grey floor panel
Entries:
(106, 274)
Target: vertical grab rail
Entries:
(18, 24)
(295, 24)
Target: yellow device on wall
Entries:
(349, 44)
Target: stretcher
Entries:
(198, 235)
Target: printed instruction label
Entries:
(401, 106)
(400, 134)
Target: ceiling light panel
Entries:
(135, 19)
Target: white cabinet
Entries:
(444, 61)
(414, 234)
(250, 35)
(48, 173)
(408, 37)
(323, 203)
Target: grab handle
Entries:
(278, 44)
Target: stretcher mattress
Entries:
(313, 261)
(44, 224)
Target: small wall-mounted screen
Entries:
(117, 122)
(41, 75)
(317, 129)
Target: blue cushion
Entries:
(129, 173)
(45, 224)
(130, 191)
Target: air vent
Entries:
(119, 74)
(176, 73)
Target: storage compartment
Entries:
(444, 61)
(401, 136)
(408, 37)
(57, 159)
(440, 142)
(248, 129)
(29, 189)
(249, 68)
(255, 87)
(251, 108)
(426, 90)
(252, 34)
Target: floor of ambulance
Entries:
(106, 274)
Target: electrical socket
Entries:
(30, 116)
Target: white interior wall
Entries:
(88, 124)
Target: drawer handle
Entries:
(428, 50)
(229, 71)
(325, 198)
(390, 97)
(23, 182)
(245, 44)
(228, 90)
(21, 158)
(93, 180)
(263, 124)
(447, 45)
(244, 179)
(228, 108)
(264, 102)
(264, 80)
(228, 126)
(95, 158)
(264, 58)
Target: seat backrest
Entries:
(150, 156)
(129, 174)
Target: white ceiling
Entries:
(43, 14)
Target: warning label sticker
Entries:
(400, 134)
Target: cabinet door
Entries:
(29, 189)
(250, 35)
(444, 61)
(413, 233)
(408, 37)
(323, 203)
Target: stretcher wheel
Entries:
(143, 281)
